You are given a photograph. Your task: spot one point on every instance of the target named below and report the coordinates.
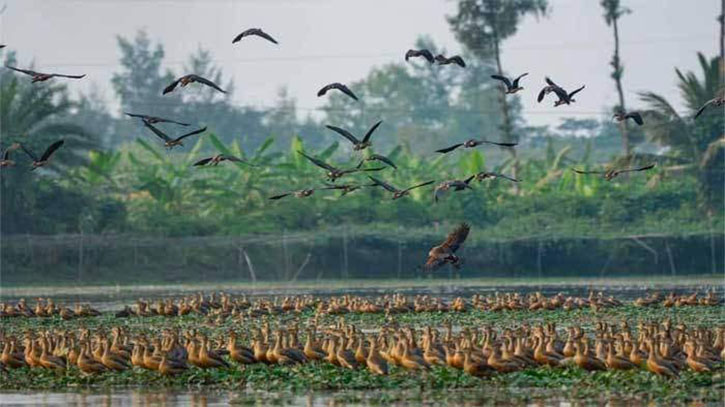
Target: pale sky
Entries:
(322, 41)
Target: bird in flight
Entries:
(302, 193)
(381, 158)
(416, 53)
(552, 87)
(172, 142)
(718, 101)
(456, 59)
(511, 86)
(484, 175)
(218, 158)
(622, 115)
(254, 31)
(398, 193)
(445, 252)
(45, 158)
(569, 97)
(339, 86)
(610, 174)
(154, 119)
(191, 78)
(6, 161)
(473, 143)
(357, 144)
(456, 185)
(42, 77)
(334, 173)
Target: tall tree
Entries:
(481, 25)
(612, 11)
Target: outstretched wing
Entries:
(636, 117)
(280, 196)
(51, 149)
(516, 81)
(318, 163)
(456, 238)
(383, 184)
(576, 91)
(156, 131)
(497, 143)
(25, 71)
(207, 82)
(371, 131)
(236, 160)
(203, 161)
(543, 93)
(587, 172)
(645, 168)
(512, 179)
(254, 31)
(69, 76)
(171, 86)
(699, 111)
(344, 133)
(457, 60)
(419, 185)
(339, 86)
(550, 82)
(29, 153)
(192, 133)
(503, 79)
(384, 159)
(449, 149)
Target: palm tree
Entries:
(699, 142)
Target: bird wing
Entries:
(542, 93)
(636, 117)
(496, 143)
(458, 60)
(384, 159)
(324, 90)
(191, 133)
(370, 131)
(280, 196)
(207, 82)
(171, 86)
(344, 133)
(576, 91)
(410, 54)
(699, 111)
(236, 159)
(254, 31)
(318, 163)
(140, 116)
(468, 180)
(156, 131)
(507, 177)
(449, 149)
(51, 149)
(203, 161)
(456, 238)
(587, 172)
(516, 81)
(419, 185)
(383, 184)
(427, 55)
(561, 93)
(438, 191)
(645, 168)
(550, 82)
(503, 79)
(29, 153)
(433, 263)
(69, 76)
(25, 71)
(344, 89)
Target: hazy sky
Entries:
(341, 40)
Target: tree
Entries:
(612, 11)
(481, 25)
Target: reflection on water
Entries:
(448, 398)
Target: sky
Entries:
(324, 41)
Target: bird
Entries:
(302, 193)
(445, 252)
(339, 86)
(511, 87)
(473, 143)
(483, 175)
(718, 101)
(154, 119)
(172, 142)
(456, 59)
(552, 87)
(45, 158)
(613, 173)
(254, 31)
(334, 173)
(415, 53)
(569, 97)
(398, 193)
(456, 185)
(42, 77)
(622, 115)
(191, 78)
(218, 158)
(357, 144)
(381, 158)
(6, 161)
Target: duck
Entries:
(239, 354)
(374, 362)
(168, 367)
(86, 363)
(412, 361)
(48, 360)
(657, 365)
(9, 358)
(474, 368)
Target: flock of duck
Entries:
(661, 348)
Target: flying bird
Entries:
(218, 158)
(42, 77)
(552, 87)
(172, 142)
(416, 53)
(302, 193)
(569, 97)
(398, 193)
(511, 87)
(484, 175)
(381, 158)
(339, 86)
(456, 59)
(6, 161)
(334, 173)
(357, 144)
(610, 174)
(718, 101)
(45, 158)
(154, 119)
(191, 78)
(445, 252)
(254, 31)
(473, 143)
(622, 115)
(456, 185)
